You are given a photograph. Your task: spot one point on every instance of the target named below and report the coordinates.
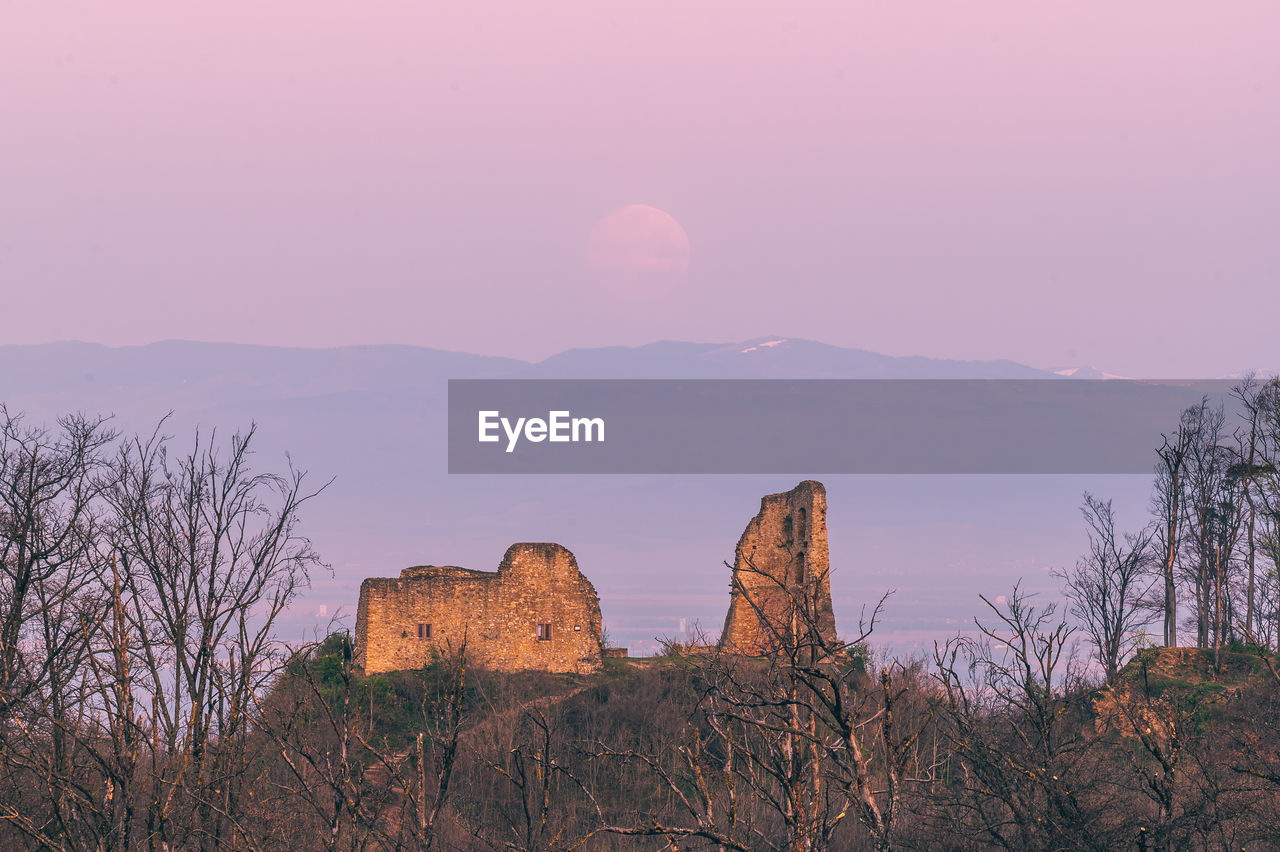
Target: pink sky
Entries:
(1053, 183)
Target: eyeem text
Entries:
(558, 427)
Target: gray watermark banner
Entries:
(812, 427)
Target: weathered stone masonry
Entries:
(781, 560)
(537, 611)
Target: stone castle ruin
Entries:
(781, 573)
(537, 611)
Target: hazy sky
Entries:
(1053, 183)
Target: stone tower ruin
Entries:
(537, 611)
(781, 579)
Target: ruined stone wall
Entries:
(499, 613)
(781, 562)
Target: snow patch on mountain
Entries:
(1088, 372)
(764, 344)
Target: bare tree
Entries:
(1153, 740)
(48, 555)
(1214, 501)
(1014, 718)
(533, 810)
(1247, 470)
(1107, 586)
(1166, 505)
(50, 589)
(800, 738)
(1263, 407)
(137, 604)
(211, 554)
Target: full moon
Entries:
(638, 245)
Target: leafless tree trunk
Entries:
(1167, 505)
(1106, 587)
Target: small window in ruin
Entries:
(802, 524)
(424, 631)
(544, 632)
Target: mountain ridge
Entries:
(67, 364)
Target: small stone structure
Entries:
(781, 564)
(537, 611)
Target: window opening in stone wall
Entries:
(424, 631)
(544, 632)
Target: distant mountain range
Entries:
(177, 366)
(765, 358)
(180, 367)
